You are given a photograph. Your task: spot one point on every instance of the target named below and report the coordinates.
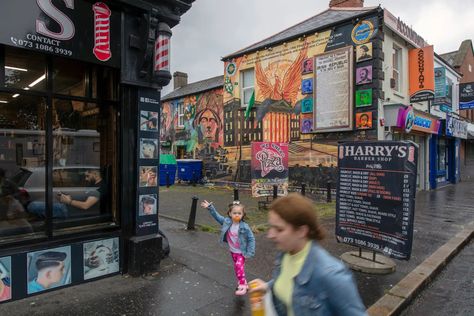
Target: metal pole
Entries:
(167, 179)
(194, 178)
(360, 252)
(303, 189)
(192, 214)
(328, 192)
(236, 194)
(275, 192)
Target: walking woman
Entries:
(307, 280)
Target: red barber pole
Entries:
(102, 31)
(162, 52)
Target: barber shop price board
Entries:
(376, 196)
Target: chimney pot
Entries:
(180, 79)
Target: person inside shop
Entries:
(307, 280)
(50, 271)
(97, 192)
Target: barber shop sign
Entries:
(81, 30)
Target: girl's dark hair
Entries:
(234, 204)
(298, 211)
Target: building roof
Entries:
(456, 58)
(195, 87)
(322, 20)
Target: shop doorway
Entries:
(180, 152)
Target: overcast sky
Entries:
(215, 28)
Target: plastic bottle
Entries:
(257, 305)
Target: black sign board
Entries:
(466, 96)
(83, 30)
(376, 196)
(148, 145)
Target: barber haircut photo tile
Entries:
(5, 279)
(101, 257)
(148, 148)
(47, 269)
(147, 204)
(148, 121)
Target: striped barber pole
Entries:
(162, 53)
(102, 31)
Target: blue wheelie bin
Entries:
(189, 170)
(167, 169)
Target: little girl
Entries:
(238, 235)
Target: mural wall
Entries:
(283, 79)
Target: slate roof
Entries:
(320, 21)
(195, 87)
(456, 58)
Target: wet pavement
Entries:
(198, 277)
(452, 292)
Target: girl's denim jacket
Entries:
(324, 287)
(246, 238)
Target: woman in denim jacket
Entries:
(307, 280)
(239, 237)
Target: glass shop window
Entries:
(22, 165)
(84, 147)
(24, 70)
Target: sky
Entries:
(212, 29)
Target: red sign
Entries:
(102, 31)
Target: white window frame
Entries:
(397, 56)
(245, 86)
(180, 109)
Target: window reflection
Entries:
(22, 163)
(24, 70)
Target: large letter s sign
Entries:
(66, 25)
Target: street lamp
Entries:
(161, 60)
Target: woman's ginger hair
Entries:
(299, 211)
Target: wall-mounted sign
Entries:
(81, 30)
(362, 32)
(440, 82)
(333, 91)
(269, 167)
(455, 127)
(466, 96)
(421, 73)
(376, 196)
(409, 119)
(406, 32)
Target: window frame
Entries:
(244, 87)
(180, 110)
(51, 228)
(397, 54)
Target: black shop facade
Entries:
(80, 87)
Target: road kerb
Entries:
(404, 291)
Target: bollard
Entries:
(328, 192)
(236, 194)
(303, 189)
(275, 192)
(192, 214)
(194, 178)
(167, 179)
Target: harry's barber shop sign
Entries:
(88, 31)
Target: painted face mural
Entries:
(209, 123)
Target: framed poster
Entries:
(148, 176)
(101, 257)
(307, 105)
(363, 98)
(47, 269)
(307, 86)
(364, 75)
(364, 52)
(333, 110)
(364, 120)
(147, 204)
(5, 279)
(307, 66)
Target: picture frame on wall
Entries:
(149, 121)
(364, 52)
(307, 66)
(364, 120)
(307, 86)
(306, 125)
(307, 105)
(148, 148)
(148, 176)
(48, 269)
(364, 75)
(363, 98)
(147, 204)
(5, 279)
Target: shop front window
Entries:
(58, 147)
(442, 155)
(22, 164)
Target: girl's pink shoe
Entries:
(241, 289)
